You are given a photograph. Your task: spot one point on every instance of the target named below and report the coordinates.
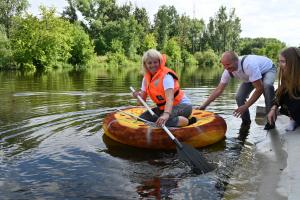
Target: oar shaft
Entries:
(168, 132)
(153, 114)
(131, 115)
(143, 102)
(186, 152)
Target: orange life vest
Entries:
(155, 89)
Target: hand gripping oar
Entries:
(186, 152)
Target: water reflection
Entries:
(152, 188)
(243, 133)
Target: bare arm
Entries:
(259, 89)
(272, 115)
(215, 94)
(169, 93)
(169, 100)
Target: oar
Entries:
(186, 152)
(136, 117)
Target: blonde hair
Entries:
(150, 54)
(289, 81)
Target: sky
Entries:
(259, 18)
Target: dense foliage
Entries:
(120, 33)
(5, 50)
(49, 41)
(8, 10)
(262, 46)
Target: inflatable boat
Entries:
(122, 126)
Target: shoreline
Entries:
(275, 161)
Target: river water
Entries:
(52, 144)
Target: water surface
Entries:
(53, 146)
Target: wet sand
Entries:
(277, 159)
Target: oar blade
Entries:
(193, 158)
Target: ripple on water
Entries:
(52, 143)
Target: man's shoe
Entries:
(192, 120)
(269, 126)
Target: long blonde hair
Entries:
(289, 81)
(150, 54)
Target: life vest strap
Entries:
(164, 103)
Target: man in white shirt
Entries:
(256, 72)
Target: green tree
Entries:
(82, 49)
(125, 30)
(172, 49)
(187, 58)
(165, 25)
(8, 10)
(149, 42)
(108, 33)
(196, 31)
(207, 58)
(117, 46)
(116, 55)
(106, 21)
(5, 50)
(49, 41)
(248, 44)
(269, 47)
(123, 12)
(184, 29)
(102, 10)
(209, 36)
(141, 16)
(189, 32)
(96, 14)
(223, 31)
(130, 36)
(70, 11)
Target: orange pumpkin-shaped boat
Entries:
(120, 126)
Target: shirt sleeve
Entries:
(168, 82)
(225, 77)
(143, 85)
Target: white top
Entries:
(168, 83)
(254, 66)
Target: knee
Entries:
(186, 111)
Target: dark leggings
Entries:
(184, 110)
(290, 107)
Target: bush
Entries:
(187, 58)
(5, 51)
(172, 49)
(207, 58)
(49, 41)
(116, 59)
(44, 42)
(148, 43)
(116, 56)
(82, 49)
